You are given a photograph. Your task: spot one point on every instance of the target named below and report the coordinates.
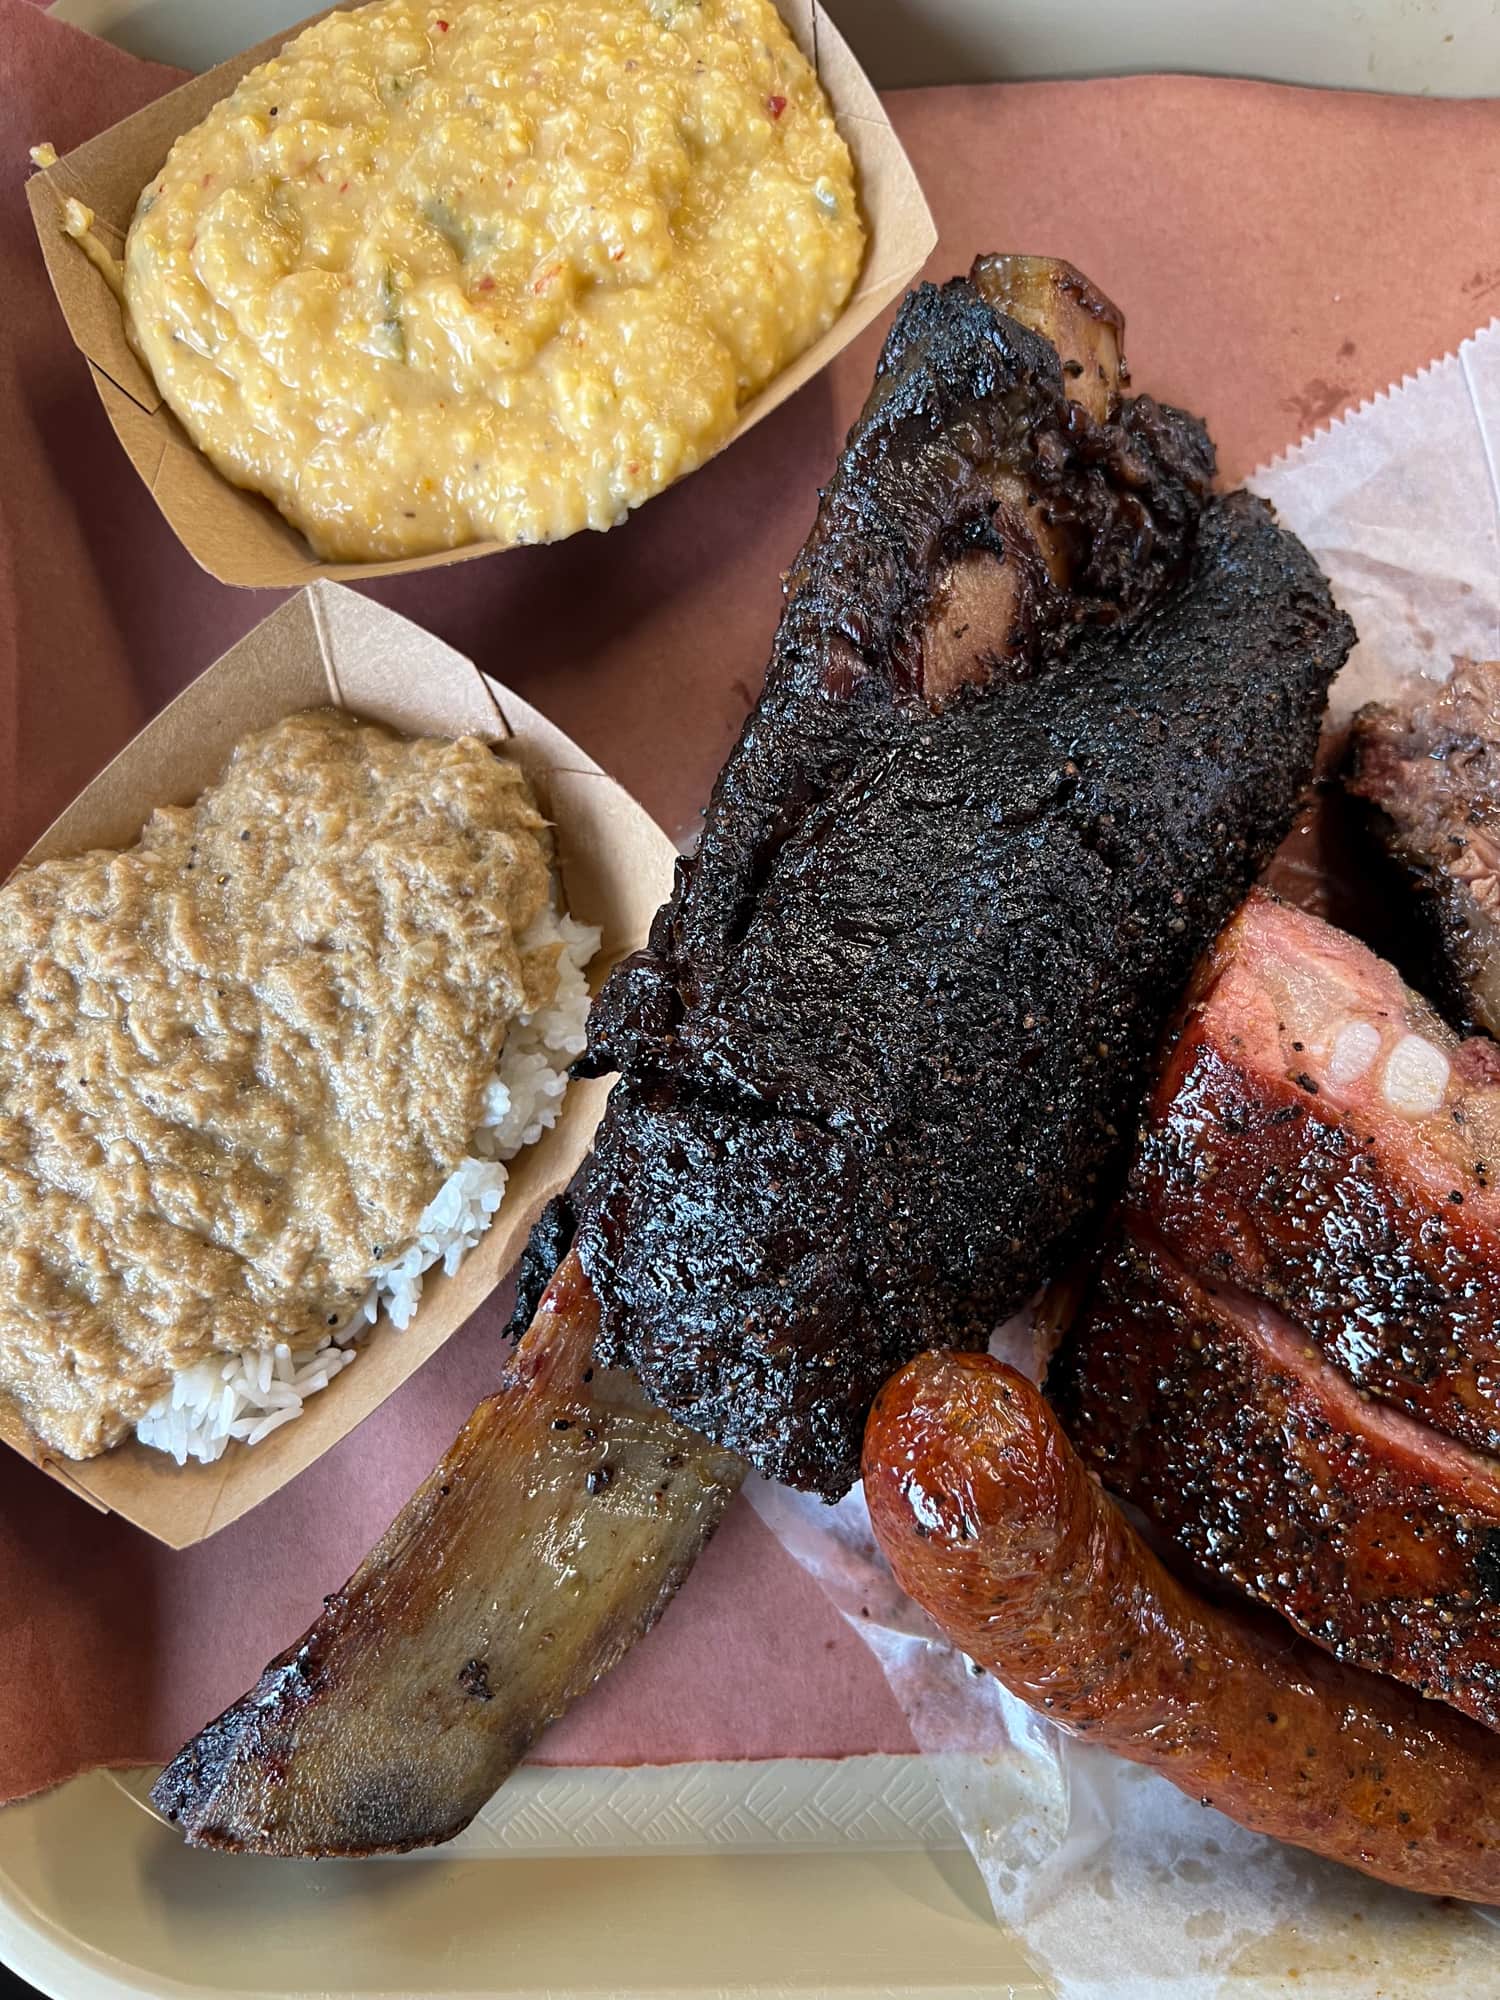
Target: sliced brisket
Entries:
(1430, 773)
(1319, 1138)
(1375, 1535)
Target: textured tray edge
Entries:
(760, 1807)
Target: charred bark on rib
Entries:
(881, 1048)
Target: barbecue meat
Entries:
(552, 1535)
(976, 517)
(879, 1056)
(1429, 772)
(991, 1520)
(1310, 1240)
(1375, 1535)
(1319, 1138)
(1057, 301)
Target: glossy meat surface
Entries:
(1319, 1138)
(551, 1536)
(1374, 1534)
(1056, 300)
(992, 1523)
(890, 1031)
(1429, 772)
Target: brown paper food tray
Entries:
(325, 645)
(239, 537)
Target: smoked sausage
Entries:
(992, 1522)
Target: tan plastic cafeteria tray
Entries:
(99, 1900)
(757, 1891)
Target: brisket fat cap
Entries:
(878, 1058)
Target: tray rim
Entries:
(928, 1897)
(883, 1802)
(1444, 48)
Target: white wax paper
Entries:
(1400, 503)
(1116, 1883)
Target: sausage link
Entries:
(994, 1525)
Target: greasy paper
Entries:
(329, 645)
(239, 537)
(1116, 1883)
(1401, 504)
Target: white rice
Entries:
(249, 1395)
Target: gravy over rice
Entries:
(239, 1059)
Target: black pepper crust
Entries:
(1375, 1538)
(879, 1053)
(1426, 775)
(1294, 1199)
(550, 1241)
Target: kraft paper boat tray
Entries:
(239, 537)
(333, 645)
